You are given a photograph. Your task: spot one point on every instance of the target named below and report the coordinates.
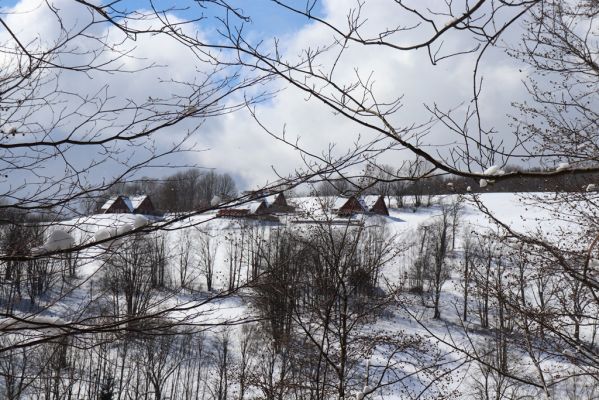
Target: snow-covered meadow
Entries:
(207, 293)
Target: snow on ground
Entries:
(186, 235)
(226, 232)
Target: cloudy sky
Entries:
(235, 142)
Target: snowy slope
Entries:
(184, 239)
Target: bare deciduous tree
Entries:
(208, 247)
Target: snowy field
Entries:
(224, 307)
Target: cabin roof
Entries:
(132, 202)
(369, 201)
(136, 201)
(112, 200)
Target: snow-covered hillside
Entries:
(217, 281)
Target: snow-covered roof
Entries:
(253, 205)
(339, 202)
(109, 203)
(369, 200)
(269, 199)
(132, 202)
(135, 201)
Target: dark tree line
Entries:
(188, 190)
(418, 191)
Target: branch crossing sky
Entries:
(235, 143)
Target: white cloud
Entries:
(235, 141)
(394, 73)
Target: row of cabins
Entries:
(277, 204)
(256, 208)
